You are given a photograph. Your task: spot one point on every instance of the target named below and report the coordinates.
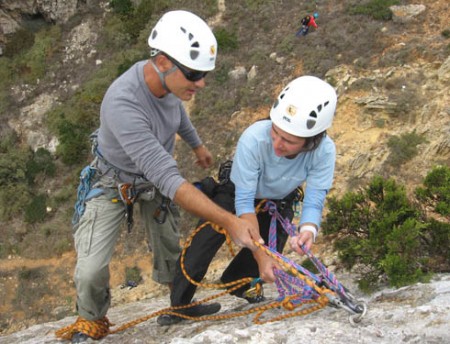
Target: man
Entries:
(307, 22)
(273, 159)
(140, 116)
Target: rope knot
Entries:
(95, 329)
(287, 304)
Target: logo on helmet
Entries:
(291, 110)
(212, 50)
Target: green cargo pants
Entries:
(95, 240)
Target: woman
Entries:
(273, 158)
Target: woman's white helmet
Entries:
(186, 38)
(305, 107)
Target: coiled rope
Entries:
(300, 291)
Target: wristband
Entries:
(309, 228)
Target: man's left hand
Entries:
(204, 157)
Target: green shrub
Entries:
(122, 7)
(40, 163)
(74, 142)
(34, 63)
(377, 9)
(36, 210)
(31, 289)
(226, 41)
(380, 229)
(137, 19)
(403, 148)
(14, 193)
(19, 42)
(437, 190)
(446, 33)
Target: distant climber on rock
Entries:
(307, 22)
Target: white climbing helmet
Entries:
(186, 38)
(305, 107)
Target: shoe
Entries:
(194, 311)
(79, 337)
(255, 299)
(253, 295)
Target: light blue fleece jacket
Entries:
(258, 173)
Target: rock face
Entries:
(12, 12)
(413, 314)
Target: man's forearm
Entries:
(195, 202)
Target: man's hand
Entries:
(306, 238)
(244, 233)
(204, 157)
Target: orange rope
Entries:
(311, 305)
(95, 329)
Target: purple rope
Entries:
(288, 285)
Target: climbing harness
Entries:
(301, 292)
(90, 187)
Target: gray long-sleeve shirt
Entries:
(138, 130)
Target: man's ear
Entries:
(162, 62)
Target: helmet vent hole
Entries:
(310, 123)
(154, 34)
(319, 108)
(276, 103)
(313, 114)
(282, 96)
(195, 45)
(183, 29)
(194, 54)
(191, 36)
(326, 103)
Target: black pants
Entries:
(207, 242)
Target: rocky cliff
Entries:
(400, 88)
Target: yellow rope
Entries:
(95, 329)
(100, 328)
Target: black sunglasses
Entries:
(191, 75)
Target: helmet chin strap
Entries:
(162, 75)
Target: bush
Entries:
(226, 41)
(122, 7)
(31, 289)
(403, 148)
(19, 42)
(40, 163)
(34, 63)
(437, 190)
(377, 9)
(380, 230)
(36, 210)
(14, 193)
(74, 143)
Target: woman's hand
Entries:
(305, 238)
